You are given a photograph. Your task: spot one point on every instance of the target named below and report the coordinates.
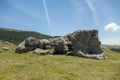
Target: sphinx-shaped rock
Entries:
(84, 43)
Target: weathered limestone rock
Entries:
(28, 44)
(85, 40)
(44, 44)
(93, 56)
(83, 43)
(31, 43)
(59, 45)
(21, 48)
(5, 48)
(40, 51)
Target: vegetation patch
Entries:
(16, 36)
(29, 66)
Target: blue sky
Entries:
(59, 17)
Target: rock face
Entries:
(44, 44)
(31, 43)
(84, 43)
(60, 45)
(21, 48)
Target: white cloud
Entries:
(46, 11)
(111, 27)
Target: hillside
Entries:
(112, 47)
(16, 36)
(29, 66)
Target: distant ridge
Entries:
(16, 36)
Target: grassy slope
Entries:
(28, 66)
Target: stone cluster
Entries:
(83, 43)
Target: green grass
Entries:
(29, 66)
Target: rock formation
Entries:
(59, 45)
(83, 43)
(21, 48)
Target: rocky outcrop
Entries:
(28, 44)
(85, 40)
(84, 43)
(31, 43)
(60, 45)
(21, 48)
(44, 44)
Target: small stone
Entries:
(40, 51)
(5, 48)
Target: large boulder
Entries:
(40, 51)
(31, 43)
(85, 43)
(21, 48)
(44, 44)
(60, 45)
(28, 44)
